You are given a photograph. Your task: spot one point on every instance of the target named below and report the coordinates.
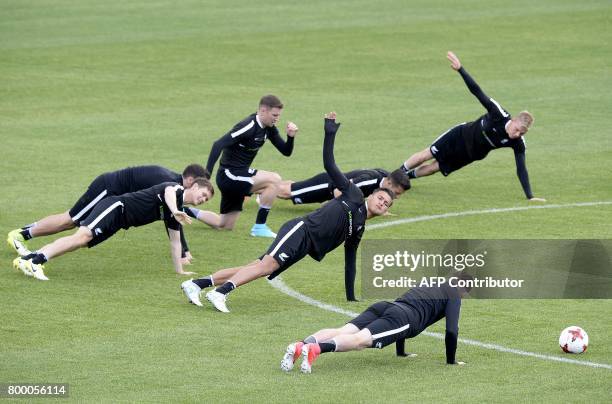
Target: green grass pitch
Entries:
(93, 86)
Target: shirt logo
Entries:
(504, 141)
(283, 256)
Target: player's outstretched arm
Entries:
(331, 127)
(350, 262)
(175, 251)
(453, 309)
(523, 176)
(470, 82)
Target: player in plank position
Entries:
(384, 323)
(342, 220)
(112, 183)
(472, 141)
(160, 202)
(318, 189)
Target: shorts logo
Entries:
(283, 256)
(379, 345)
(97, 231)
(297, 201)
(434, 149)
(504, 141)
(251, 170)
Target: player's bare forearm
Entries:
(170, 199)
(175, 251)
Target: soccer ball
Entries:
(573, 340)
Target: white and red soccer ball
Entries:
(574, 340)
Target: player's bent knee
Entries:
(348, 328)
(426, 154)
(83, 236)
(364, 338)
(267, 265)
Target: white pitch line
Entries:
(482, 212)
(278, 283)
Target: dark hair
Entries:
(195, 170)
(204, 183)
(271, 101)
(398, 177)
(387, 190)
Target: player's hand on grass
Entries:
(455, 63)
(537, 200)
(292, 129)
(182, 217)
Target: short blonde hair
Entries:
(525, 119)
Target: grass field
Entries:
(89, 87)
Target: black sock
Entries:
(204, 283)
(39, 259)
(29, 256)
(404, 169)
(262, 215)
(310, 340)
(412, 173)
(26, 234)
(329, 346)
(226, 288)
